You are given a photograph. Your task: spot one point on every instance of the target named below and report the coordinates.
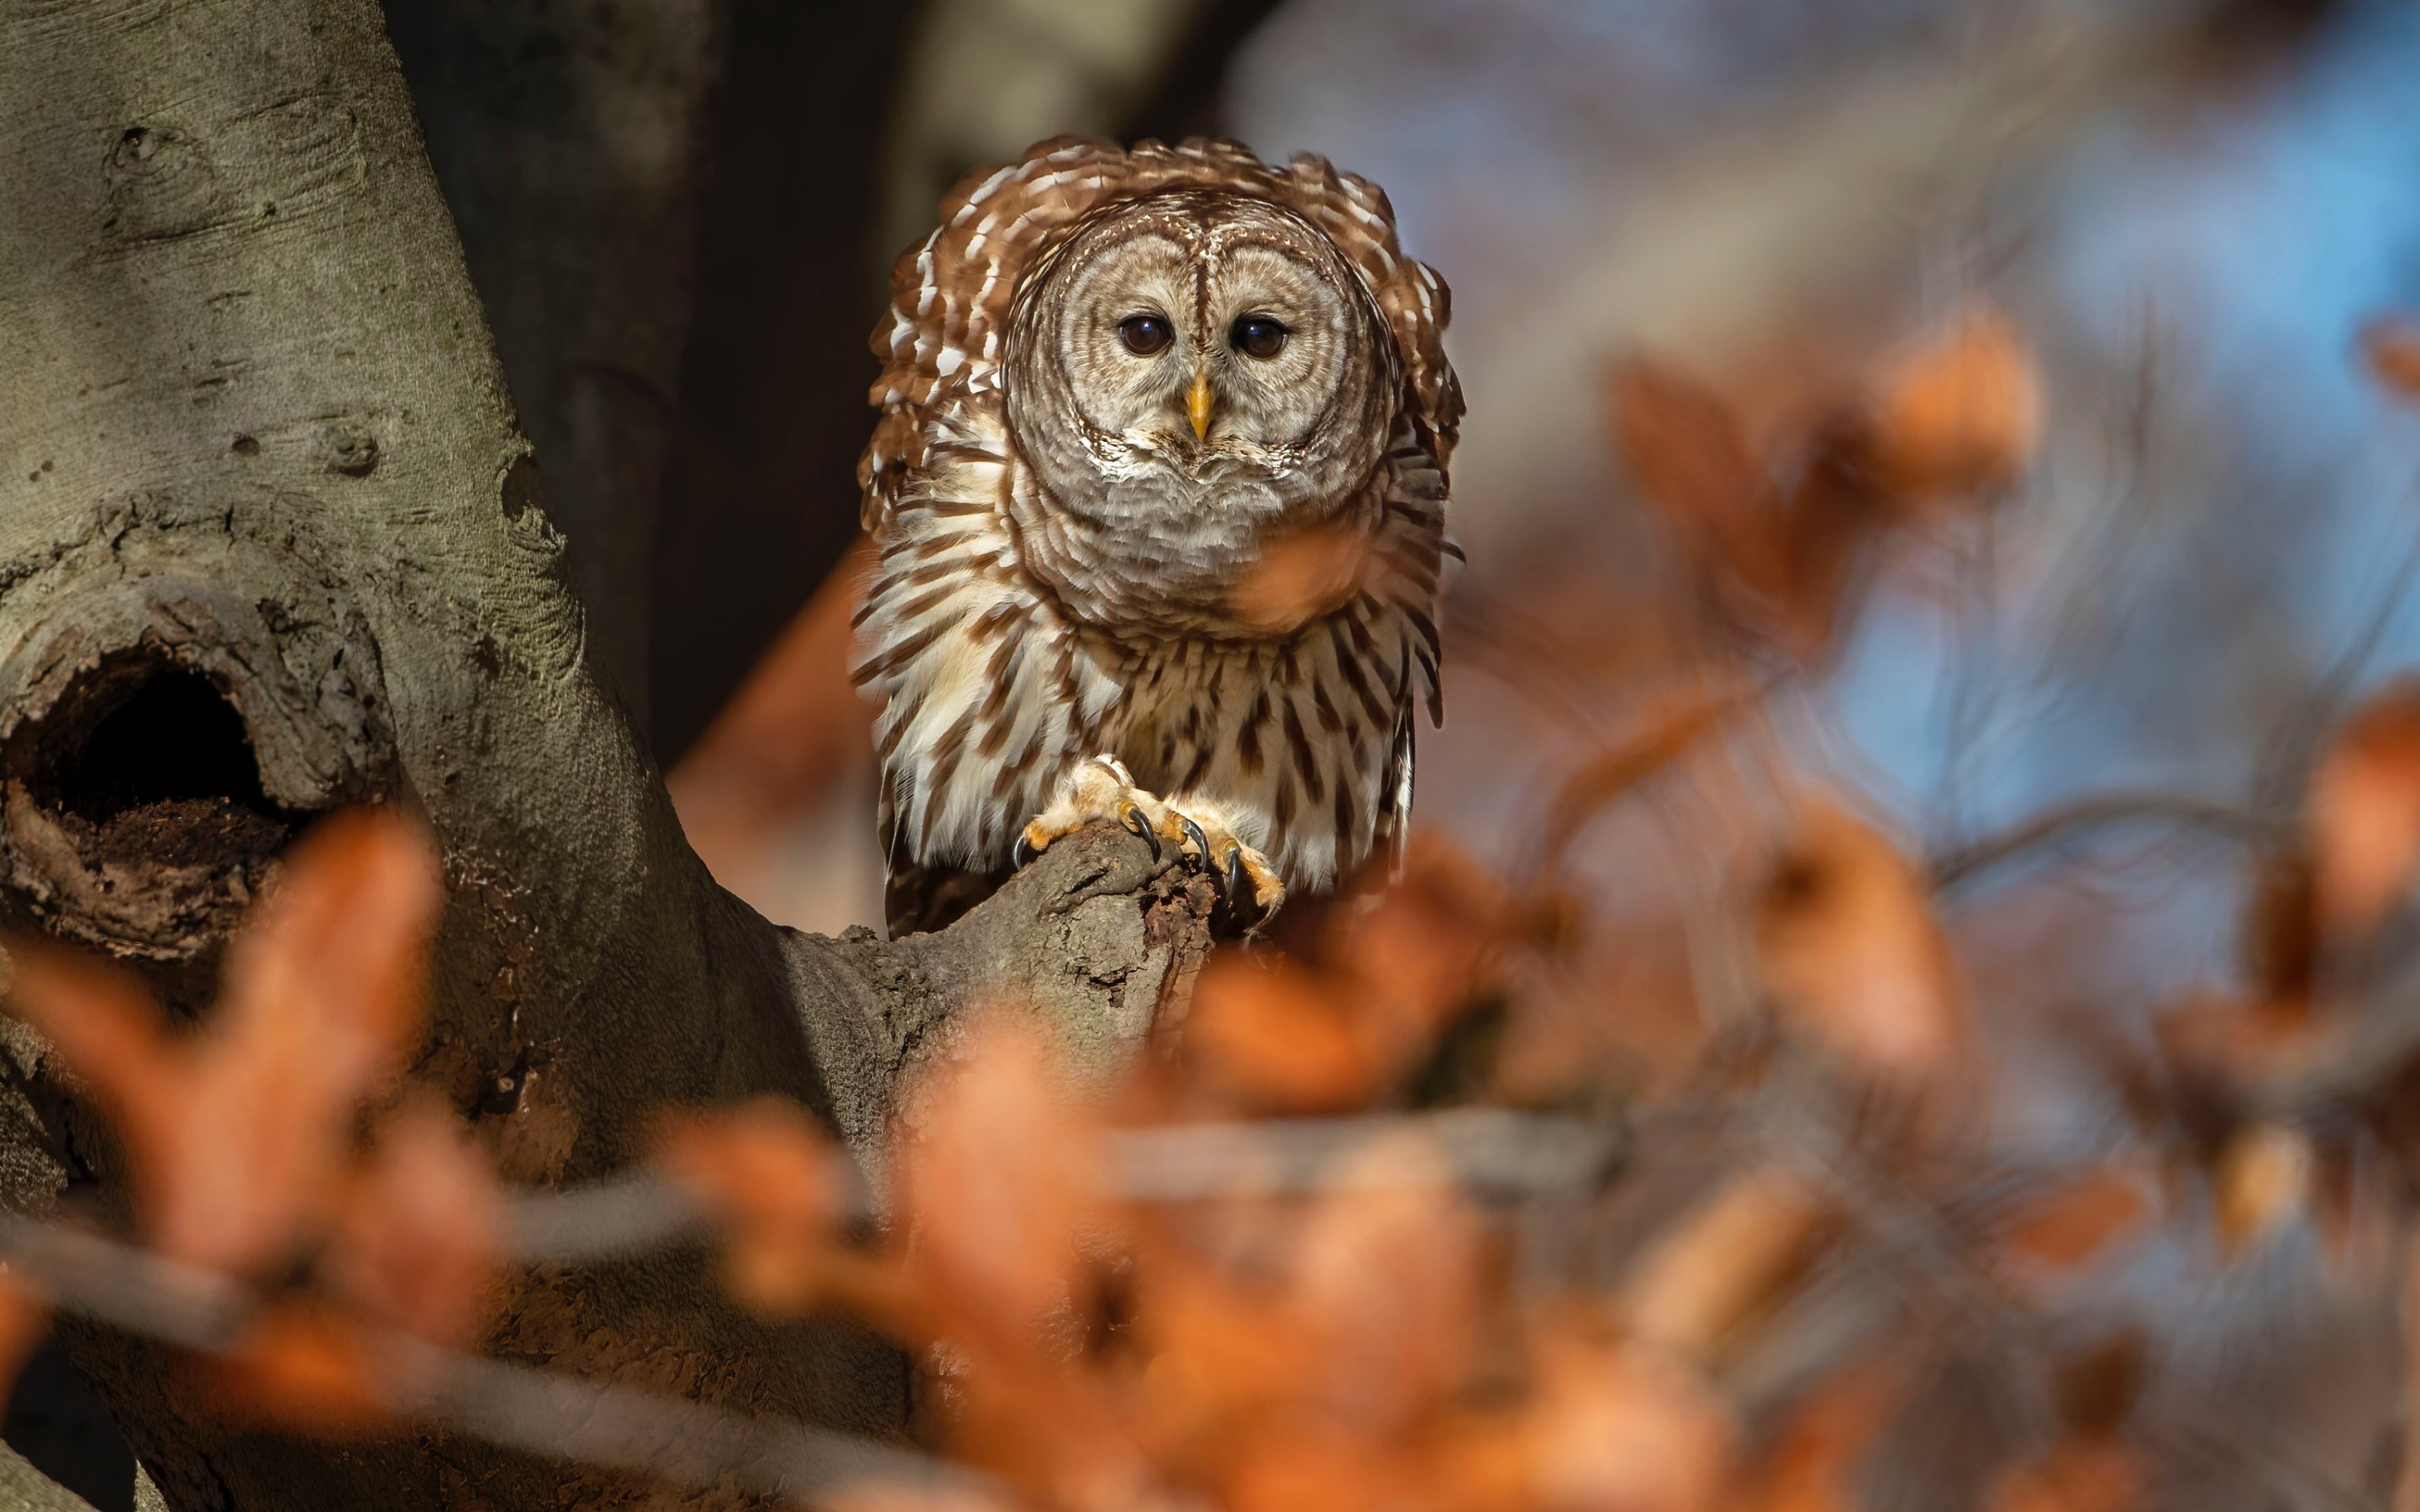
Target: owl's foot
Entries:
(1103, 789)
(1099, 789)
(1244, 872)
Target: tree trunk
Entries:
(270, 542)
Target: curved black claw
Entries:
(1237, 889)
(1020, 855)
(1201, 841)
(1136, 824)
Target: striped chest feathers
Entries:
(991, 692)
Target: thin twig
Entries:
(615, 1426)
(1490, 1149)
(131, 1289)
(1645, 751)
(671, 1438)
(2101, 810)
(611, 1219)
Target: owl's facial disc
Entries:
(1208, 336)
(1188, 376)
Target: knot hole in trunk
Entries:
(145, 764)
(158, 753)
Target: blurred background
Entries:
(2072, 691)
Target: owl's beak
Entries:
(1196, 406)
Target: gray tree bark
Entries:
(270, 543)
(23, 1489)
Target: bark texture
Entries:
(272, 542)
(23, 1489)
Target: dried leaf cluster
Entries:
(1781, 555)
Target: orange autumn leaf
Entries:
(1282, 1038)
(2096, 1387)
(2281, 930)
(1783, 566)
(1623, 1426)
(1308, 1468)
(2364, 811)
(417, 1241)
(1851, 955)
(1961, 414)
(1417, 951)
(236, 1133)
(2356, 1211)
(2237, 1045)
(2075, 1220)
(1725, 1261)
(1813, 1465)
(2088, 1474)
(999, 1176)
(1217, 1351)
(771, 1178)
(2391, 343)
(1388, 1277)
(113, 1036)
(304, 1366)
(1688, 454)
(874, 1494)
(1667, 730)
(2262, 1179)
(1299, 576)
(999, 1184)
(788, 738)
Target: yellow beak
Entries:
(1197, 405)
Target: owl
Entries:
(1158, 503)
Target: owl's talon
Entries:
(1193, 835)
(1102, 789)
(1251, 881)
(1020, 854)
(1244, 875)
(1131, 815)
(1099, 790)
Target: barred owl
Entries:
(1159, 499)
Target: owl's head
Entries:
(1204, 348)
(1189, 353)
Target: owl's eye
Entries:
(1145, 335)
(1257, 335)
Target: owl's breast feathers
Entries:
(992, 691)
